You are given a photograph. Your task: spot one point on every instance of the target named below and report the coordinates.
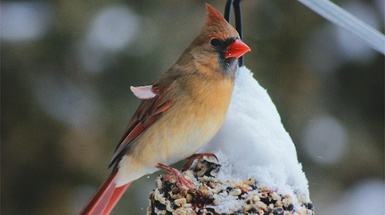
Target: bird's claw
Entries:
(181, 182)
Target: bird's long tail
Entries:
(105, 198)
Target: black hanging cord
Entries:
(229, 3)
(238, 19)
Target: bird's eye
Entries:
(215, 42)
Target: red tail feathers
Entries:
(105, 198)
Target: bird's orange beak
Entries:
(236, 49)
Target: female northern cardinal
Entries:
(180, 112)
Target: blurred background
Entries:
(66, 69)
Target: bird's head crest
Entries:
(213, 15)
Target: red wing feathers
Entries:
(147, 114)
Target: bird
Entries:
(180, 112)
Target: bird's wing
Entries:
(147, 114)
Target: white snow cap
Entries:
(254, 143)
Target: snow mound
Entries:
(254, 143)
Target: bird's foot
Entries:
(193, 157)
(181, 181)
